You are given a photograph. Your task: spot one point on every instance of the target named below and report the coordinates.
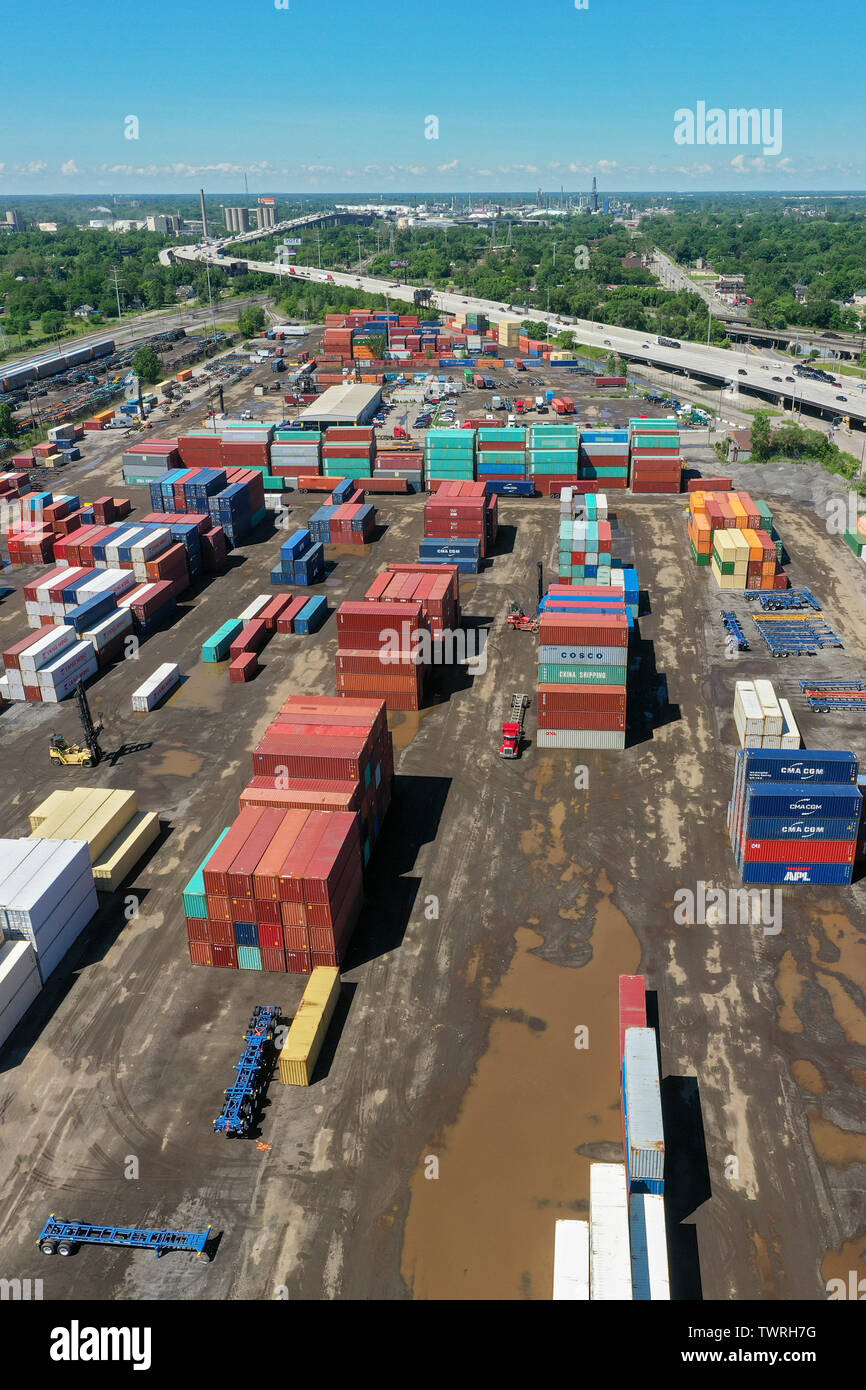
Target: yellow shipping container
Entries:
(309, 1026)
(56, 801)
(724, 543)
(119, 858)
(737, 507)
(96, 822)
(75, 812)
(726, 581)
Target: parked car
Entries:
(741, 371)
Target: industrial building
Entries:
(351, 404)
(237, 219)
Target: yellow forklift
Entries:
(88, 754)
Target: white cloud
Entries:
(446, 168)
(70, 168)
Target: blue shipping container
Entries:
(775, 799)
(766, 765)
(312, 615)
(795, 873)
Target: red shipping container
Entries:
(298, 963)
(267, 910)
(579, 719)
(218, 865)
(239, 876)
(273, 958)
(222, 933)
(201, 953)
(225, 956)
(198, 929)
(243, 667)
(607, 630)
(271, 936)
(798, 851)
(267, 876)
(632, 1006)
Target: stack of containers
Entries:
(583, 639)
(116, 832)
(47, 896)
(761, 720)
(656, 465)
(856, 539)
(380, 652)
(461, 511)
(19, 984)
(344, 524)
(398, 467)
(585, 546)
(296, 453)
(737, 538)
(281, 887)
(603, 459)
(552, 457)
(450, 454)
(47, 666)
(348, 452)
(313, 786)
(795, 817)
(302, 561)
(154, 690)
(435, 587)
(144, 463)
(501, 455)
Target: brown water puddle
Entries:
(177, 762)
(405, 724)
(807, 1075)
(764, 1264)
(517, 1157)
(203, 688)
(848, 966)
(838, 1147)
(839, 1264)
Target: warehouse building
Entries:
(350, 404)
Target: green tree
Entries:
(52, 321)
(8, 423)
(761, 446)
(251, 321)
(147, 366)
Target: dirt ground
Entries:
(452, 1118)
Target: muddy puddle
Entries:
(177, 762)
(406, 724)
(203, 688)
(848, 1265)
(537, 1111)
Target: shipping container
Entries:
(571, 1261)
(642, 1110)
(610, 1274)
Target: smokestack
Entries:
(203, 216)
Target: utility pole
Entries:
(359, 253)
(555, 244)
(319, 245)
(117, 292)
(210, 300)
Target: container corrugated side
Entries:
(570, 1261)
(641, 1095)
(609, 1244)
(297, 1060)
(650, 1270)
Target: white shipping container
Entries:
(152, 545)
(254, 609)
(581, 738)
(41, 937)
(12, 855)
(105, 581)
(104, 632)
(14, 685)
(148, 695)
(32, 892)
(773, 720)
(642, 1106)
(61, 676)
(610, 1248)
(771, 741)
(19, 984)
(46, 649)
(791, 735)
(571, 1261)
(48, 960)
(649, 1248)
(123, 537)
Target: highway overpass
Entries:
(725, 368)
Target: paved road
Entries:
(736, 368)
(674, 277)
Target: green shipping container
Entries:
(194, 901)
(558, 674)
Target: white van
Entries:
(496, 403)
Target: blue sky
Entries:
(333, 96)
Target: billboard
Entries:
(292, 241)
(398, 265)
(268, 202)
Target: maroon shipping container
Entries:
(373, 616)
(286, 620)
(710, 485)
(578, 719)
(226, 956)
(243, 667)
(598, 699)
(218, 865)
(271, 935)
(607, 630)
(342, 759)
(298, 963)
(239, 876)
(198, 929)
(201, 953)
(251, 638)
(273, 958)
(221, 933)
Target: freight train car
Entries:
(19, 374)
